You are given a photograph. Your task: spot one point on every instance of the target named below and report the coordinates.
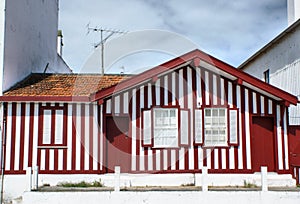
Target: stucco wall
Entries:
(30, 39)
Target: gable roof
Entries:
(198, 58)
(272, 42)
(61, 86)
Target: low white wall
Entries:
(161, 197)
(15, 185)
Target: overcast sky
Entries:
(159, 30)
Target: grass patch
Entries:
(249, 185)
(81, 184)
(187, 184)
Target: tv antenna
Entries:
(105, 34)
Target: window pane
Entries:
(222, 112)
(207, 112)
(215, 112)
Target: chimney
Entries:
(59, 42)
(293, 11)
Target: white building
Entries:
(28, 40)
(278, 62)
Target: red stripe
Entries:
(31, 123)
(169, 159)
(56, 159)
(243, 105)
(153, 92)
(275, 135)
(137, 109)
(194, 97)
(170, 89)
(218, 79)
(234, 99)
(146, 158)
(91, 136)
(121, 103)
(227, 158)
(53, 127)
(226, 104)
(258, 107)
(177, 159)
(13, 137)
(65, 135)
(162, 91)
(210, 82)
(22, 135)
(74, 116)
(204, 157)
(40, 133)
(186, 158)
(212, 158)
(82, 136)
(220, 158)
(146, 106)
(266, 106)
(47, 159)
(161, 155)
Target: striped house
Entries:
(190, 112)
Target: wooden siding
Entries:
(194, 88)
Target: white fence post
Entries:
(117, 178)
(29, 178)
(35, 177)
(264, 178)
(204, 179)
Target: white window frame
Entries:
(165, 129)
(215, 127)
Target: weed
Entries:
(82, 184)
(249, 185)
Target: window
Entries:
(52, 133)
(267, 76)
(215, 127)
(165, 127)
(165, 130)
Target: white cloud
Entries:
(229, 30)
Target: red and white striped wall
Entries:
(192, 88)
(77, 150)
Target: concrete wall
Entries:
(30, 40)
(162, 197)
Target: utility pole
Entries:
(104, 38)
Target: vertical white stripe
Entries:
(35, 134)
(108, 106)
(173, 159)
(60, 159)
(78, 137)
(208, 158)
(95, 137)
(101, 137)
(69, 141)
(286, 152)
(198, 87)
(165, 155)
(270, 106)
(279, 139)
(215, 90)
(247, 127)
(142, 150)
(231, 158)
(224, 159)
(240, 149)
(17, 138)
(51, 160)
(117, 104)
(181, 82)
(200, 157)
(125, 102)
(262, 105)
(181, 158)
(166, 90)
(216, 158)
(222, 88)
(43, 160)
(8, 137)
(150, 160)
(158, 167)
(230, 99)
(174, 88)
(59, 122)
(149, 95)
(190, 106)
(133, 133)
(254, 103)
(157, 91)
(87, 137)
(26, 135)
(206, 88)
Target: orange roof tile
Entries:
(63, 84)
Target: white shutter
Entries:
(59, 126)
(184, 127)
(198, 126)
(47, 127)
(147, 127)
(233, 131)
